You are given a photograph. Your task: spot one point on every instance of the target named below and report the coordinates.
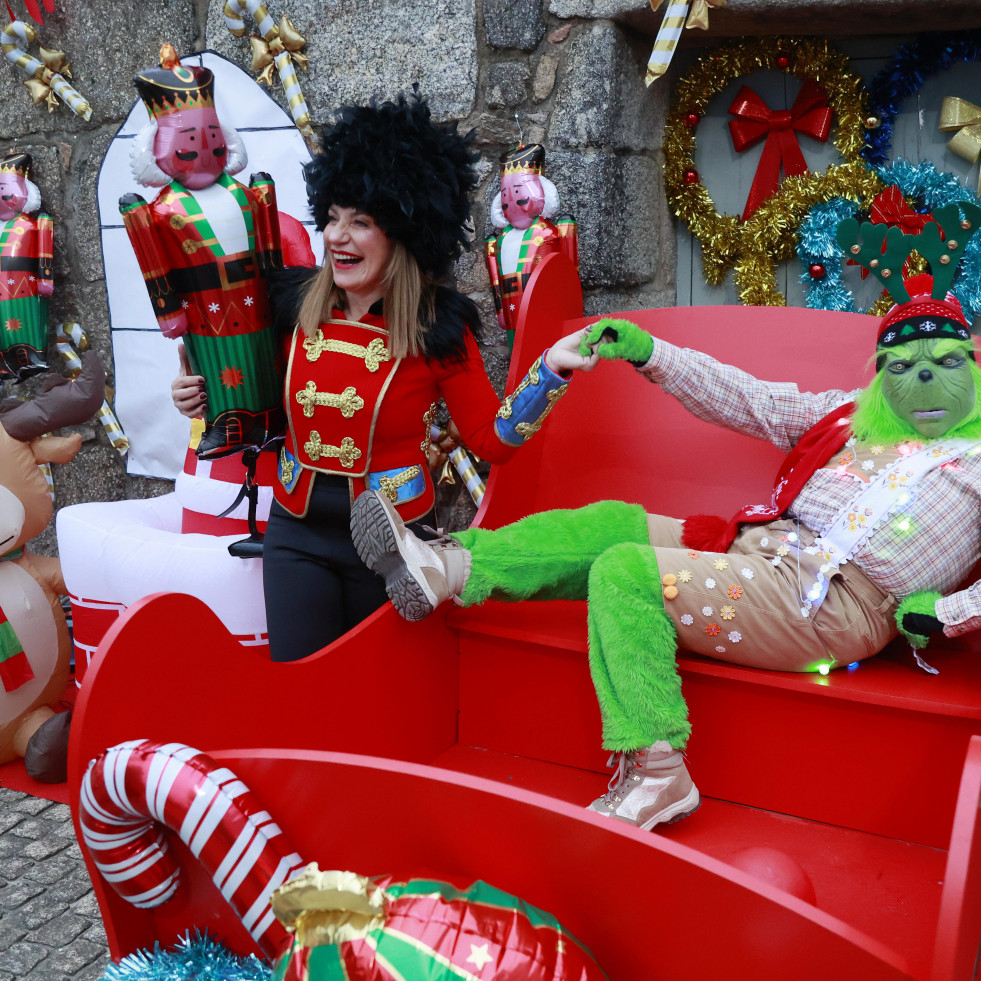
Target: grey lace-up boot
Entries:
(649, 786)
(419, 575)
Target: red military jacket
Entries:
(185, 267)
(25, 255)
(354, 411)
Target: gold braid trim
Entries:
(389, 486)
(532, 379)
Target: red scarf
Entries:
(710, 533)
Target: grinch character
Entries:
(25, 270)
(205, 245)
(522, 212)
(872, 526)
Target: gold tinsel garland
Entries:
(721, 236)
(770, 235)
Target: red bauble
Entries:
(817, 271)
(692, 119)
(775, 868)
(783, 60)
(691, 176)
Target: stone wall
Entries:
(569, 73)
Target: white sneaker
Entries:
(419, 575)
(650, 786)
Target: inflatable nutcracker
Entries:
(205, 245)
(25, 263)
(527, 233)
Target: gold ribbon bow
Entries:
(282, 38)
(679, 14)
(55, 63)
(963, 119)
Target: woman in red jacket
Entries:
(377, 342)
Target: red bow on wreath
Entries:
(809, 114)
(889, 207)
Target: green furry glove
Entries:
(621, 340)
(916, 618)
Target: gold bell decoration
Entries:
(45, 77)
(280, 47)
(677, 15)
(963, 119)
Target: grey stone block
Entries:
(67, 962)
(61, 930)
(20, 958)
(45, 847)
(544, 81)
(614, 200)
(514, 23)
(360, 50)
(602, 100)
(40, 910)
(18, 893)
(507, 84)
(11, 928)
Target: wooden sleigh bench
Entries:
(467, 746)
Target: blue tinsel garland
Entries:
(923, 183)
(911, 65)
(197, 958)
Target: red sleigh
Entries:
(467, 746)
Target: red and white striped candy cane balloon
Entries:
(133, 789)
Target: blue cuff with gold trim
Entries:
(289, 470)
(526, 408)
(400, 484)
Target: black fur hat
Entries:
(413, 176)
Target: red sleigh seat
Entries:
(479, 733)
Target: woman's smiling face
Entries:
(359, 251)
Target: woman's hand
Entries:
(187, 390)
(618, 340)
(564, 355)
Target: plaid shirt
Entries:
(932, 542)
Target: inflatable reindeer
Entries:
(35, 648)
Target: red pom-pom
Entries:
(817, 271)
(706, 533)
(783, 61)
(692, 119)
(691, 176)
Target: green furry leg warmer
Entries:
(632, 645)
(547, 555)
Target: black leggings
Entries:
(316, 587)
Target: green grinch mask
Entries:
(928, 384)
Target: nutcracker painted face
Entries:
(190, 147)
(359, 251)
(522, 199)
(13, 195)
(15, 187)
(522, 193)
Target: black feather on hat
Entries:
(413, 176)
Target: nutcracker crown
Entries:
(174, 87)
(524, 160)
(15, 162)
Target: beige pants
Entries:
(741, 607)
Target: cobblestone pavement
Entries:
(50, 928)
